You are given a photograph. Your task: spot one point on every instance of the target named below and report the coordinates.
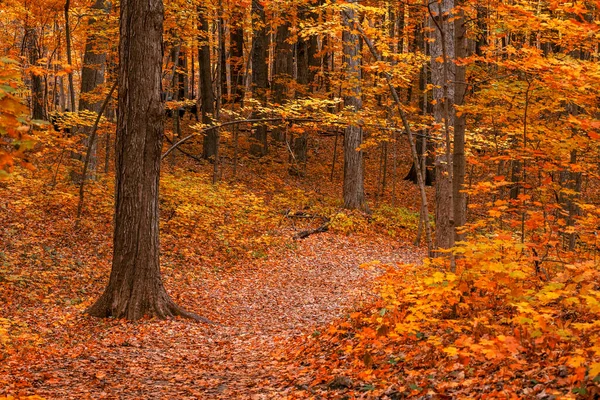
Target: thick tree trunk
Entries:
(135, 288)
(259, 147)
(442, 77)
(354, 192)
(209, 147)
(92, 76)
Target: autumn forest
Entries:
(289, 199)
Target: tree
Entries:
(92, 76)
(37, 90)
(283, 69)
(442, 77)
(135, 288)
(458, 154)
(354, 191)
(260, 45)
(209, 147)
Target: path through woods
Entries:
(259, 310)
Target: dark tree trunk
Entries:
(237, 63)
(135, 288)
(282, 71)
(37, 87)
(259, 147)
(69, 58)
(458, 162)
(209, 147)
(354, 192)
(92, 76)
(429, 175)
(302, 65)
(283, 68)
(307, 62)
(223, 91)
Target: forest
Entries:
(299, 199)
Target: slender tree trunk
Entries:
(135, 288)
(37, 89)
(259, 75)
(458, 162)
(442, 75)
(354, 192)
(209, 147)
(237, 62)
(69, 58)
(92, 76)
(282, 71)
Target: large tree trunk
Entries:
(209, 147)
(354, 192)
(92, 76)
(442, 77)
(260, 46)
(135, 288)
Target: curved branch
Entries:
(91, 140)
(228, 123)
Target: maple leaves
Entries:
(14, 140)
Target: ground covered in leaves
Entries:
(348, 313)
(227, 254)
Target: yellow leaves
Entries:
(450, 350)
(575, 361)
(370, 265)
(595, 369)
(494, 213)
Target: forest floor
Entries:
(227, 254)
(258, 312)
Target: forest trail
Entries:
(259, 309)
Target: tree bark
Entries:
(458, 162)
(92, 76)
(354, 192)
(135, 288)
(37, 88)
(260, 39)
(209, 146)
(442, 77)
(69, 58)
(237, 62)
(282, 71)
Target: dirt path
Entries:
(258, 309)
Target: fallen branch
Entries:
(307, 233)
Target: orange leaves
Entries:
(13, 118)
